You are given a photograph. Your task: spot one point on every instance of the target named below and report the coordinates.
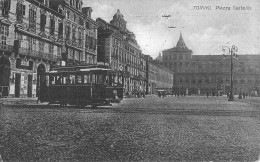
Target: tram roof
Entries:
(80, 68)
(95, 69)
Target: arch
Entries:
(5, 72)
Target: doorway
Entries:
(5, 72)
(17, 84)
(40, 78)
(29, 92)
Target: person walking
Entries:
(38, 95)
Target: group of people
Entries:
(161, 94)
(243, 95)
(136, 94)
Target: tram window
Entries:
(107, 79)
(79, 79)
(99, 78)
(52, 80)
(120, 80)
(115, 79)
(72, 79)
(58, 80)
(93, 79)
(86, 78)
(65, 80)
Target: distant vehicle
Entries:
(166, 16)
(171, 26)
(83, 85)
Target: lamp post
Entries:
(232, 52)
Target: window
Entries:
(32, 19)
(51, 47)
(81, 22)
(59, 51)
(75, 17)
(46, 3)
(87, 25)
(60, 32)
(87, 78)
(41, 46)
(68, 14)
(93, 79)
(77, 5)
(42, 22)
(67, 32)
(6, 4)
(72, 79)
(99, 79)
(20, 12)
(4, 34)
(80, 37)
(52, 26)
(31, 43)
(74, 33)
(79, 79)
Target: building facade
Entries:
(37, 35)
(31, 45)
(158, 76)
(118, 47)
(201, 74)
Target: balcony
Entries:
(6, 47)
(39, 54)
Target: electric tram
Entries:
(83, 85)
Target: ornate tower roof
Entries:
(181, 43)
(118, 20)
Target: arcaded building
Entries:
(201, 74)
(158, 76)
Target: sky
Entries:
(206, 25)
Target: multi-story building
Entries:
(32, 27)
(118, 47)
(73, 50)
(158, 76)
(37, 35)
(90, 35)
(201, 74)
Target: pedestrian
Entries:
(38, 95)
(240, 96)
(207, 94)
(159, 94)
(163, 94)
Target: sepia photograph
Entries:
(129, 80)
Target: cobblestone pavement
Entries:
(137, 129)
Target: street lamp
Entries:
(232, 52)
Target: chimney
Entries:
(87, 11)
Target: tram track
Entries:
(141, 110)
